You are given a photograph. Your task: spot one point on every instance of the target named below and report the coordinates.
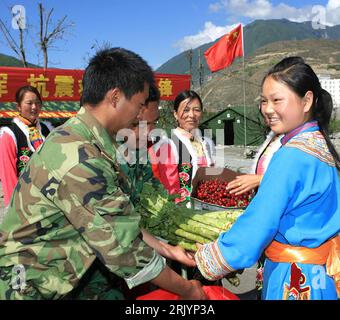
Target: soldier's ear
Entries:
(113, 96)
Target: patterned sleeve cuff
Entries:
(149, 272)
(211, 263)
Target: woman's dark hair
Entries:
(19, 95)
(300, 78)
(185, 95)
(114, 68)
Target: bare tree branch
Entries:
(48, 22)
(41, 22)
(10, 41)
(42, 37)
(18, 49)
(22, 49)
(57, 30)
(48, 38)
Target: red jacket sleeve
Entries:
(167, 168)
(8, 166)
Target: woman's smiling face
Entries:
(282, 108)
(30, 106)
(189, 114)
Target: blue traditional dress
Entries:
(298, 206)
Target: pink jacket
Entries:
(8, 167)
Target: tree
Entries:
(167, 120)
(48, 38)
(19, 22)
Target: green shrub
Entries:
(334, 126)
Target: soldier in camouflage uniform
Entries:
(135, 164)
(70, 206)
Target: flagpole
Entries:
(244, 92)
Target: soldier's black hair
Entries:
(115, 68)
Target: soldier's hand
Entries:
(195, 291)
(182, 256)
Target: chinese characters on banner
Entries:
(53, 84)
(66, 85)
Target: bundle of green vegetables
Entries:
(178, 224)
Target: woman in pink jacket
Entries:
(19, 140)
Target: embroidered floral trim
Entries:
(296, 289)
(314, 144)
(184, 176)
(297, 131)
(24, 157)
(184, 192)
(184, 182)
(211, 263)
(259, 278)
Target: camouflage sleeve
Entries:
(93, 202)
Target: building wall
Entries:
(336, 113)
(333, 87)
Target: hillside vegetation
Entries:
(257, 34)
(9, 61)
(226, 87)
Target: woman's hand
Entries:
(244, 183)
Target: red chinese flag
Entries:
(225, 50)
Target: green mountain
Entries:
(256, 35)
(227, 87)
(9, 61)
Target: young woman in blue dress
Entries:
(295, 216)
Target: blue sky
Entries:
(157, 30)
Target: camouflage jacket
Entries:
(68, 208)
(139, 171)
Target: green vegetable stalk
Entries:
(178, 224)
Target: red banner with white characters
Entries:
(66, 84)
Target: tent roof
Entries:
(239, 110)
